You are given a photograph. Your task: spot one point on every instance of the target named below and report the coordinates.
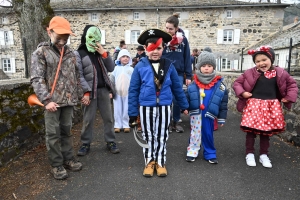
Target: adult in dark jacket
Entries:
(140, 52)
(178, 50)
(94, 63)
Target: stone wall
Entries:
(22, 127)
(201, 19)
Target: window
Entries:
(228, 36)
(276, 60)
(226, 65)
(6, 37)
(94, 17)
(136, 16)
(229, 13)
(134, 36)
(6, 65)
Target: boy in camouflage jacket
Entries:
(58, 106)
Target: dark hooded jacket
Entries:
(93, 68)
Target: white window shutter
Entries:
(127, 36)
(2, 38)
(13, 65)
(90, 16)
(10, 38)
(102, 37)
(236, 64)
(220, 36)
(69, 40)
(236, 36)
(187, 34)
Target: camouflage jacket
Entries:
(44, 63)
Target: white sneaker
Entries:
(180, 120)
(265, 161)
(250, 160)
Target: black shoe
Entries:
(84, 149)
(190, 159)
(112, 147)
(213, 161)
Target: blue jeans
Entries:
(176, 108)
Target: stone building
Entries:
(286, 44)
(226, 26)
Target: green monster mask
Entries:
(93, 35)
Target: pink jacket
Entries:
(288, 88)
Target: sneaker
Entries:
(126, 130)
(265, 161)
(73, 164)
(180, 120)
(177, 127)
(117, 130)
(112, 147)
(161, 171)
(213, 161)
(59, 173)
(149, 169)
(250, 160)
(84, 149)
(190, 159)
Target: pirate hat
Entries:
(154, 32)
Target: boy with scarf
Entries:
(93, 63)
(208, 98)
(152, 84)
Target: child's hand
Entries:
(99, 48)
(186, 112)
(246, 95)
(85, 100)
(284, 100)
(110, 95)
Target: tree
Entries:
(33, 17)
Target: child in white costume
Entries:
(120, 78)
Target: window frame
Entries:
(94, 17)
(136, 15)
(6, 37)
(4, 64)
(226, 36)
(227, 65)
(133, 38)
(229, 12)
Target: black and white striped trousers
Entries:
(155, 123)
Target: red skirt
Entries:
(263, 117)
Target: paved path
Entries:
(106, 176)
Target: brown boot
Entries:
(161, 171)
(149, 169)
(117, 130)
(126, 130)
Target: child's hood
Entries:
(123, 52)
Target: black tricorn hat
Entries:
(154, 32)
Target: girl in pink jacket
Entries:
(260, 91)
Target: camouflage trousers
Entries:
(58, 135)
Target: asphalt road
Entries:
(108, 176)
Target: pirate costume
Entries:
(150, 95)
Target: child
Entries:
(260, 91)
(208, 98)
(94, 63)
(152, 84)
(120, 78)
(58, 107)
